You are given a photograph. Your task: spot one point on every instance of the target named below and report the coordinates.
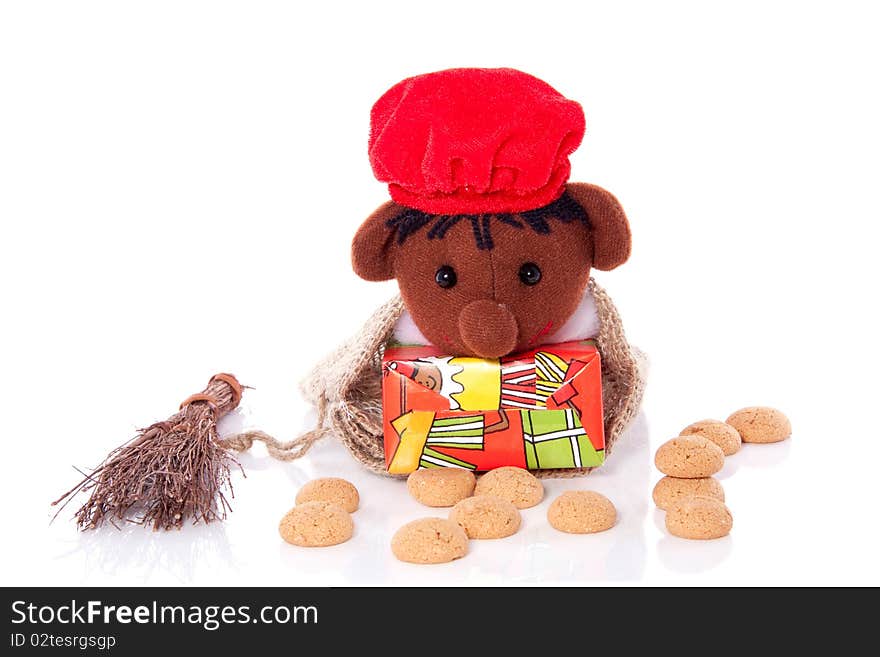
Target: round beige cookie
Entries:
(316, 524)
(670, 490)
(760, 424)
(441, 486)
(485, 516)
(701, 518)
(430, 540)
(330, 489)
(689, 457)
(720, 433)
(519, 487)
(582, 512)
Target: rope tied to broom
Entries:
(283, 451)
(178, 468)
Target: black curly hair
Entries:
(411, 221)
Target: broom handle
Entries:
(223, 394)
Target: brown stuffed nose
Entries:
(488, 329)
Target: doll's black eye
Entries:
(530, 273)
(446, 277)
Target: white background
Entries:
(179, 182)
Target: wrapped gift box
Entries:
(538, 409)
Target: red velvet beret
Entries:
(474, 141)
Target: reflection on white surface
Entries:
(684, 556)
(246, 549)
(535, 554)
(763, 456)
(755, 456)
(731, 465)
(691, 557)
(140, 554)
(681, 555)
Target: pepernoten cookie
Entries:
(316, 524)
(670, 490)
(689, 457)
(582, 512)
(760, 424)
(485, 516)
(429, 540)
(519, 487)
(440, 486)
(700, 518)
(720, 433)
(330, 489)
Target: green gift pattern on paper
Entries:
(431, 458)
(556, 439)
(462, 431)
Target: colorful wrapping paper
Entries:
(538, 409)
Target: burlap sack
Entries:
(346, 386)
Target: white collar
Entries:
(582, 325)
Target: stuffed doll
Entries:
(489, 242)
(491, 247)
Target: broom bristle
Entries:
(170, 472)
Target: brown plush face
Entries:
(489, 302)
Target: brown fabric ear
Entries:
(373, 245)
(612, 240)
